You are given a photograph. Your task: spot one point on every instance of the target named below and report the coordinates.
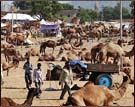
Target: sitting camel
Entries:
(46, 57)
(6, 66)
(5, 102)
(85, 56)
(32, 52)
(97, 95)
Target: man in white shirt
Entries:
(38, 78)
(66, 77)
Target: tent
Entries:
(18, 16)
(48, 27)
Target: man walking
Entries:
(38, 78)
(66, 77)
(28, 73)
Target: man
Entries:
(28, 73)
(66, 77)
(38, 78)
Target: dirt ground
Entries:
(14, 84)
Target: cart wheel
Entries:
(104, 79)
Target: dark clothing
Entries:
(65, 89)
(28, 74)
(28, 80)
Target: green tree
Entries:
(47, 9)
(107, 13)
(125, 12)
(87, 14)
(132, 8)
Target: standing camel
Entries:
(50, 44)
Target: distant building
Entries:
(70, 14)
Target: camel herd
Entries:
(71, 47)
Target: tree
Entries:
(47, 9)
(87, 14)
(132, 8)
(125, 12)
(107, 13)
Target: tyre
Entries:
(104, 79)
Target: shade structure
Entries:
(18, 16)
(48, 27)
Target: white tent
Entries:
(18, 16)
(43, 22)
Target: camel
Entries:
(32, 52)
(54, 74)
(126, 62)
(50, 44)
(15, 39)
(46, 57)
(11, 39)
(97, 95)
(96, 49)
(110, 50)
(130, 53)
(119, 42)
(11, 53)
(28, 102)
(5, 45)
(7, 66)
(19, 39)
(86, 56)
(131, 42)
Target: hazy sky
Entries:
(91, 4)
(5, 5)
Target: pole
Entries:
(121, 61)
(12, 19)
(121, 19)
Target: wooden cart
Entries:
(101, 73)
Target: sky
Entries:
(5, 5)
(91, 4)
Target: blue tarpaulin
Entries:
(48, 27)
(74, 62)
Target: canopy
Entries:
(48, 27)
(18, 16)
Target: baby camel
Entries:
(97, 95)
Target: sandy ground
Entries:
(14, 84)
